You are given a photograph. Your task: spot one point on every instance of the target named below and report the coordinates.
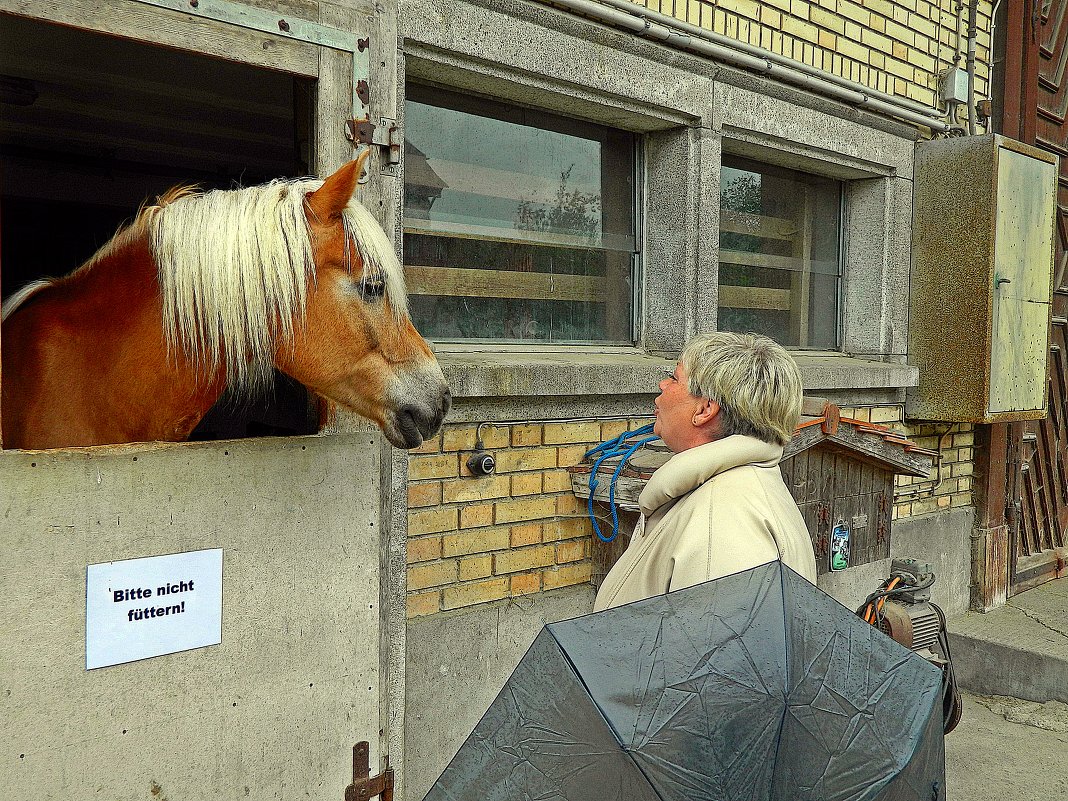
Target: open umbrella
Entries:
(754, 686)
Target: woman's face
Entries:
(675, 410)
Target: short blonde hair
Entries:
(753, 379)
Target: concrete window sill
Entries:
(485, 373)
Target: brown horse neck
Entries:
(85, 361)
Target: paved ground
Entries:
(1009, 750)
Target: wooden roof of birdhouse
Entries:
(821, 424)
(868, 442)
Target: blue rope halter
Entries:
(618, 446)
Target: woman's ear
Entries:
(707, 412)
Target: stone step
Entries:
(1018, 650)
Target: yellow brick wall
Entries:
(518, 531)
(953, 488)
(893, 46)
(522, 530)
(948, 486)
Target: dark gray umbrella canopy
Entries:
(755, 687)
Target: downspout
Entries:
(991, 50)
(649, 24)
(970, 62)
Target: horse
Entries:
(210, 291)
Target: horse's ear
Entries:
(330, 199)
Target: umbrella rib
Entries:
(786, 674)
(643, 694)
(604, 717)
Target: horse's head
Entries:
(358, 346)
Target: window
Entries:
(519, 226)
(147, 119)
(779, 253)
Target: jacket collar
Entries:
(686, 471)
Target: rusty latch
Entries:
(385, 134)
(364, 787)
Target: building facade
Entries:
(759, 203)
(577, 188)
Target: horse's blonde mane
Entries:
(19, 296)
(234, 269)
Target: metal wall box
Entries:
(982, 279)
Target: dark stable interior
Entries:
(91, 126)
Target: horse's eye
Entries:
(372, 289)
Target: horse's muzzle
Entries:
(414, 422)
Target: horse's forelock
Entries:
(376, 251)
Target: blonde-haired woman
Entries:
(719, 505)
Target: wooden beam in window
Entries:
(794, 264)
(516, 236)
(754, 297)
(465, 282)
(738, 222)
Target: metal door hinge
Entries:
(363, 786)
(385, 134)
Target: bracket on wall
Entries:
(364, 786)
(385, 134)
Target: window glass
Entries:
(779, 263)
(519, 226)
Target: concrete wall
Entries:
(271, 712)
(457, 662)
(474, 540)
(690, 111)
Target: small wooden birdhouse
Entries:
(840, 472)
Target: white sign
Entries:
(158, 605)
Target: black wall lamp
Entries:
(481, 461)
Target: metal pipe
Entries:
(917, 489)
(767, 55)
(991, 50)
(661, 27)
(973, 32)
(938, 38)
(959, 19)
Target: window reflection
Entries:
(779, 256)
(519, 225)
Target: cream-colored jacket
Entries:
(708, 512)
